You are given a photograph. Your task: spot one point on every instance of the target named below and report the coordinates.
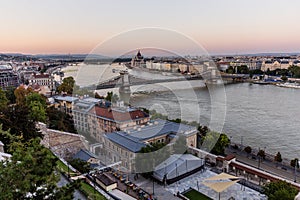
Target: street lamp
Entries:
(259, 157)
(242, 138)
(297, 163)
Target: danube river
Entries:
(261, 116)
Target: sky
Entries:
(219, 26)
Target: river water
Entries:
(261, 116)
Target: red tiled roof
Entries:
(229, 157)
(41, 76)
(118, 115)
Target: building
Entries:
(176, 167)
(42, 80)
(80, 111)
(8, 79)
(3, 156)
(138, 60)
(87, 156)
(63, 103)
(275, 64)
(123, 145)
(107, 183)
(104, 118)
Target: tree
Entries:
(279, 190)
(294, 162)
(230, 70)
(30, 174)
(37, 105)
(82, 91)
(203, 130)
(151, 156)
(67, 85)
(81, 165)
(9, 92)
(248, 150)
(21, 93)
(16, 119)
(243, 69)
(7, 138)
(3, 100)
(278, 158)
(284, 78)
(215, 142)
(295, 71)
(59, 120)
(108, 96)
(261, 153)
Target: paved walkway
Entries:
(237, 191)
(160, 192)
(280, 170)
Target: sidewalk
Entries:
(272, 167)
(160, 193)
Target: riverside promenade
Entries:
(268, 164)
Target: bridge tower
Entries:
(124, 89)
(213, 73)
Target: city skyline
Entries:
(230, 27)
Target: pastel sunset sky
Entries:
(220, 26)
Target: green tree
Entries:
(82, 91)
(278, 157)
(230, 70)
(284, 78)
(81, 165)
(243, 69)
(16, 118)
(248, 150)
(3, 100)
(295, 71)
(21, 93)
(280, 190)
(215, 142)
(109, 96)
(59, 120)
(7, 138)
(9, 92)
(261, 153)
(67, 85)
(37, 107)
(151, 156)
(294, 162)
(30, 174)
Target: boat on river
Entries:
(289, 85)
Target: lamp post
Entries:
(259, 157)
(230, 142)
(242, 138)
(297, 163)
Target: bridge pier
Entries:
(124, 89)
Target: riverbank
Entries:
(282, 169)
